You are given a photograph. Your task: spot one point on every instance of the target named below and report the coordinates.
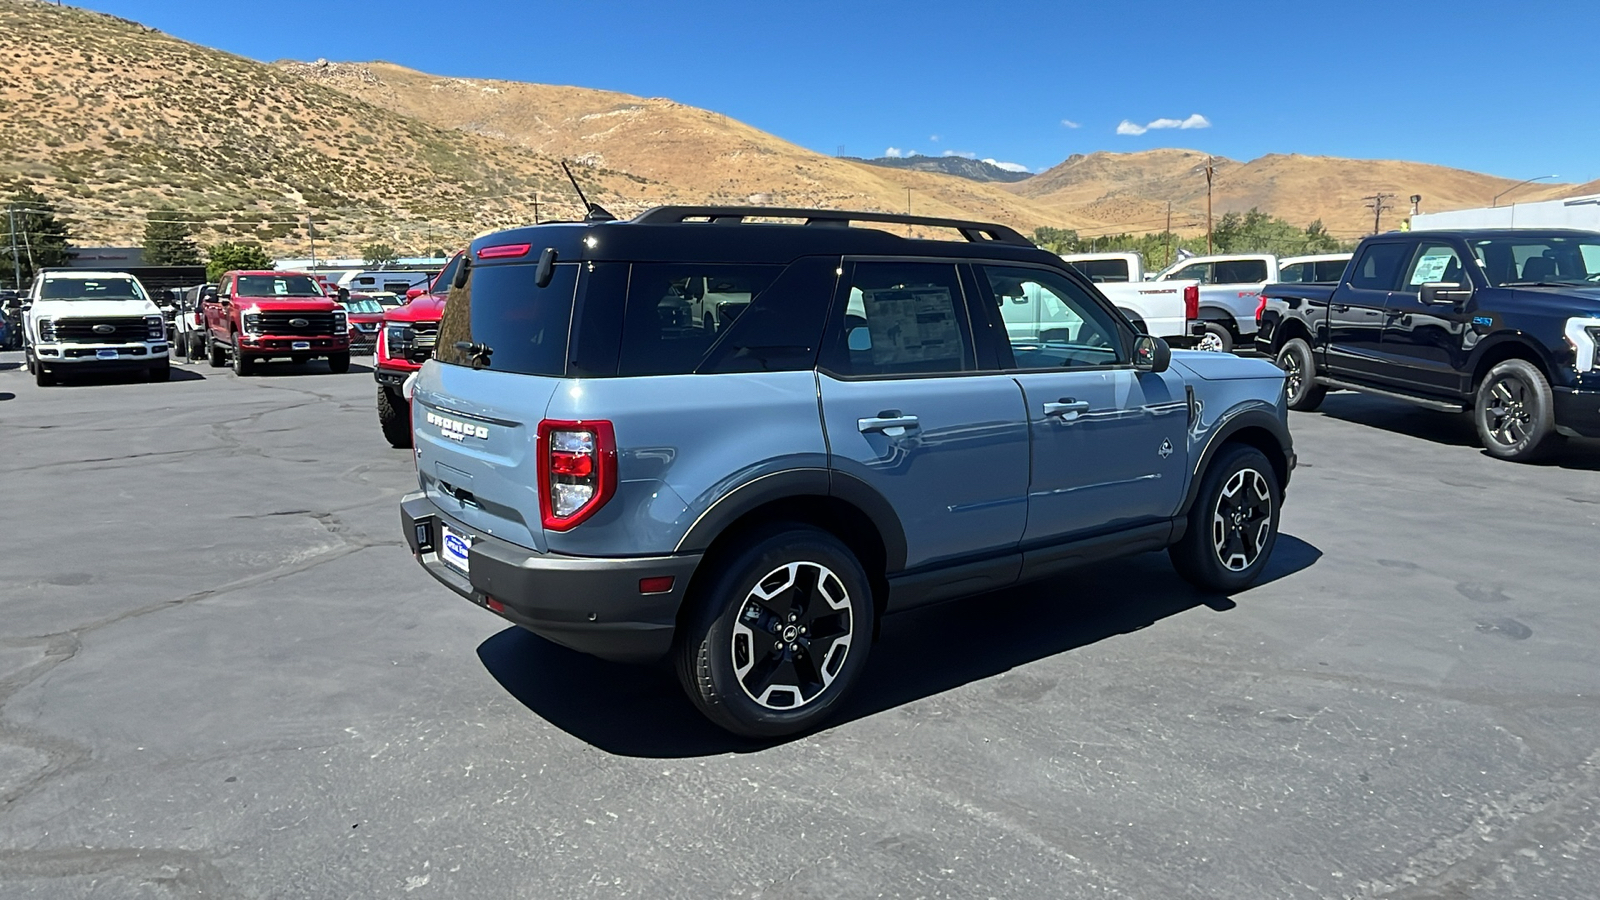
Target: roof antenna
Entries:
(593, 212)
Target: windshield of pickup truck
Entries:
(278, 286)
(1535, 259)
(363, 306)
(91, 289)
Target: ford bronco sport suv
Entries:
(257, 316)
(77, 321)
(750, 492)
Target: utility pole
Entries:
(1378, 203)
(536, 207)
(908, 211)
(311, 230)
(1169, 233)
(1211, 171)
(16, 264)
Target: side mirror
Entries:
(344, 295)
(1442, 293)
(1151, 354)
(414, 293)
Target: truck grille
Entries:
(426, 336)
(282, 323)
(124, 330)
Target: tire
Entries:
(1216, 338)
(339, 363)
(1233, 524)
(42, 376)
(747, 663)
(300, 359)
(1515, 412)
(215, 353)
(161, 372)
(242, 364)
(394, 417)
(709, 324)
(1300, 373)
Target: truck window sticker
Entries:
(1432, 265)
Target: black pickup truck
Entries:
(1504, 323)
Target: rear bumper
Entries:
(1577, 412)
(592, 605)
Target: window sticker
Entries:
(912, 324)
(1432, 265)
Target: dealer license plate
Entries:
(300, 345)
(455, 548)
(105, 354)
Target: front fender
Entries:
(1257, 416)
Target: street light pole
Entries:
(1496, 201)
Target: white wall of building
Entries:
(1575, 212)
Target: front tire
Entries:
(1300, 375)
(242, 364)
(215, 353)
(1515, 412)
(339, 363)
(778, 634)
(42, 376)
(394, 417)
(1233, 524)
(160, 372)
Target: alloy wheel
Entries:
(1293, 371)
(1242, 521)
(1209, 342)
(791, 635)
(1509, 419)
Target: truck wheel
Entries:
(394, 417)
(1300, 375)
(1515, 412)
(162, 371)
(42, 376)
(214, 351)
(1216, 338)
(300, 359)
(339, 363)
(1233, 524)
(242, 364)
(778, 633)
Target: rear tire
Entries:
(339, 363)
(1215, 337)
(1299, 366)
(778, 634)
(1515, 412)
(1233, 524)
(394, 417)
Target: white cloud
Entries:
(892, 153)
(1068, 123)
(1194, 121)
(1008, 166)
(964, 154)
(934, 138)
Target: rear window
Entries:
(522, 326)
(1241, 271)
(1329, 271)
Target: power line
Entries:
(1378, 203)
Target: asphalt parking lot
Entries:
(221, 675)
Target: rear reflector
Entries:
(504, 251)
(659, 584)
(494, 605)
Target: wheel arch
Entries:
(1289, 328)
(1258, 428)
(1508, 346)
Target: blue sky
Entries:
(1507, 88)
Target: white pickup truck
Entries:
(1168, 310)
(1230, 291)
(82, 321)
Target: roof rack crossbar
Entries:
(976, 232)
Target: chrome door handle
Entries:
(1065, 408)
(882, 422)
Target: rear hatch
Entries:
(476, 407)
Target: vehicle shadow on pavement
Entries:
(641, 711)
(1452, 429)
(280, 368)
(7, 395)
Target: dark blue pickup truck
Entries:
(1503, 323)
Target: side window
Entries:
(1378, 268)
(1435, 262)
(670, 321)
(1051, 322)
(1295, 273)
(1329, 271)
(901, 319)
(1200, 272)
(780, 329)
(1241, 271)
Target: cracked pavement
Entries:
(221, 675)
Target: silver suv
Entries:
(750, 492)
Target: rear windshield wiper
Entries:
(479, 353)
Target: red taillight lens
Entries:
(1261, 307)
(1191, 301)
(504, 251)
(577, 471)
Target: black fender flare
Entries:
(1231, 424)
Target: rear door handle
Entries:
(884, 421)
(1065, 408)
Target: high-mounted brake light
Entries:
(1191, 301)
(577, 471)
(504, 251)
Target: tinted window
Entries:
(1435, 262)
(1051, 322)
(278, 286)
(901, 319)
(675, 312)
(1329, 271)
(782, 328)
(1294, 273)
(441, 284)
(1098, 270)
(1378, 269)
(522, 325)
(1539, 258)
(1240, 271)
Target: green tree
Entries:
(29, 223)
(1318, 240)
(169, 240)
(1056, 240)
(379, 254)
(230, 256)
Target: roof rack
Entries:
(977, 232)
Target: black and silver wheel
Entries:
(1233, 524)
(779, 635)
(1300, 375)
(394, 417)
(1216, 338)
(1515, 412)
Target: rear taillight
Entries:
(1191, 302)
(1261, 307)
(577, 471)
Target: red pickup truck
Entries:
(405, 342)
(257, 316)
